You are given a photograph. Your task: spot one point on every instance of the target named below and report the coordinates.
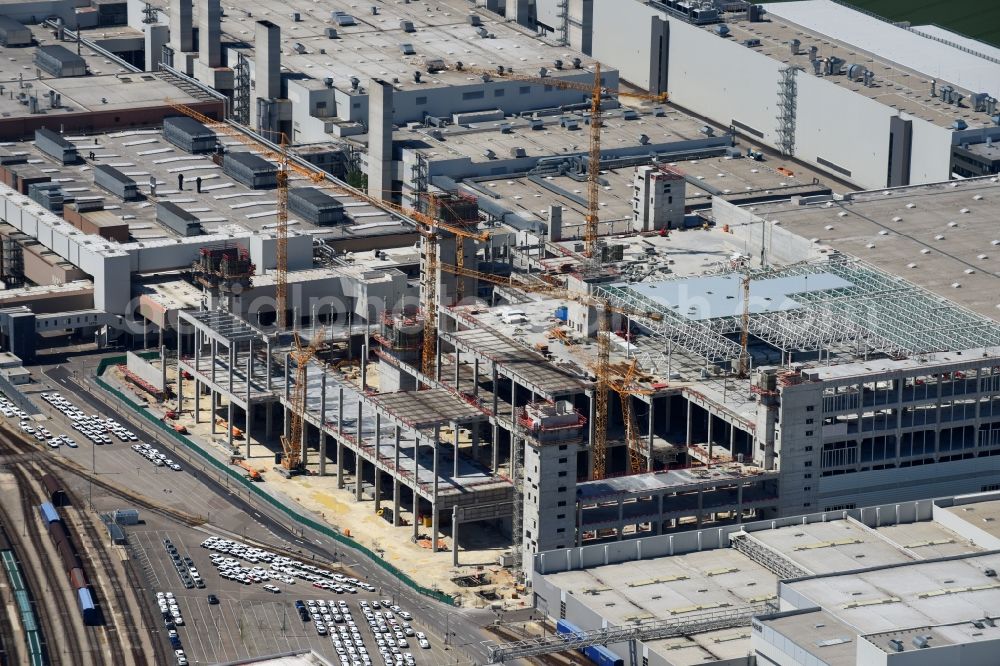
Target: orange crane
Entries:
(430, 228)
(291, 445)
(596, 92)
(626, 388)
(602, 368)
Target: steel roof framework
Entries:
(878, 312)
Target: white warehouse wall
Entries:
(623, 38)
(860, 144)
(723, 80)
(930, 160)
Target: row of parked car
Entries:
(154, 456)
(171, 611)
(92, 426)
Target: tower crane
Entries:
(291, 445)
(596, 91)
(626, 388)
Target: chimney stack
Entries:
(380, 109)
(210, 33)
(267, 67)
(181, 26)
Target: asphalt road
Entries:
(463, 625)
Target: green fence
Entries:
(253, 488)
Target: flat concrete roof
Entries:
(984, 516)
(856, 38)
(895, 44)
(818, 633)
(109, 87)
(942, 236)
(672, 480)
(529, 367)
(918, 594)
(370, 49)
(223, 203)
(837, 545)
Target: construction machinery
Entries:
(252, 474)
(626, 388)
(596, 91)
(291, 445)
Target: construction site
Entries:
(477, 302)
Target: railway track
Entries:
(61, 640)
(116, 642)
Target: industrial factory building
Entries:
(498, 309)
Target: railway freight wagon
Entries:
(54, 489)
(71, 563)
(598, 654)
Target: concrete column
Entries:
(659, 520)
(180, 373)
(246, 430)
(579, 525)
(211, 409)
(437, 365)
(364, 366)
(359, 463)
(378, 451)
(163, 365)
(649, 442)
(701, 504)
(591, 432)
(454, 536)
(437, 451)
(181, 26)
(458, 379)
(710, 420)
(267, 61)
(739, 502)
(687, 434)
(621, 516)
(197, 401)
(249, 370)
(495, 453)
(395, 480)
(322, 425)
(475, 442)
(267, 366)
(268, 416)
(454, 462)
(215, 355)
(229, 424)
(232, 364)
(475, 376)
(340, 438)
(496, 392)
(380, 108)
(210, 33)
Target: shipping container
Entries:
(314, 206)
(126, 516)
(177, 219)
(599, 654)
(55, 146)
(54, 489)
(251, 170)
(49, 513)
(77, 578)
(189, 135)
(59, 61)
(115, 182)
(90, 615)
(13, 33)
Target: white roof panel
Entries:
(899, 45)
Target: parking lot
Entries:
(249, 620)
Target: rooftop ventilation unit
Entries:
(299, 47)
(433, 65)
(416, 76)
(407, 26)
(577, 63)
(474, 19)
(328, 81)
(505, 128)
(707, 131)
(374, 10)
(518, 152)
(856, 72)
(896, 645)
(643, 140)
(331, 33)
(482, 32)
(295, 16)
(630, 114)
(343, 18)
(793, 46)
(537, 124)
(490, 155)
(834, 65)
(722, 30)
(542, 72)
(355, 82)
(407, 49)
(921, 642)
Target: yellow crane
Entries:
(602, 368)
(626, 388)
(597, 90)
(291, 445)
(430, 228)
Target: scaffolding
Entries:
(224, 268)
(788, 91)
(241, 95)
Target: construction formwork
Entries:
(224, 268)
(401, 335)
(451, 208)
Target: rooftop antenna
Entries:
(149, 14)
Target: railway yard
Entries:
(167, 588)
